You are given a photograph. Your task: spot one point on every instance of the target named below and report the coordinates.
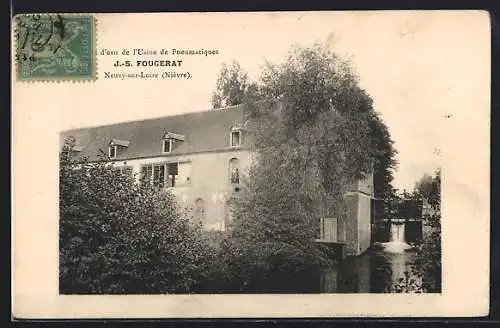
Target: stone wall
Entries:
(351, 201)
(358, 218)
(364, 222)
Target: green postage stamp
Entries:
(55, 47)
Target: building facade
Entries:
(201, 157)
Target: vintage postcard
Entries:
(264, 164)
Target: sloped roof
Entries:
(176, 136)
(202, 131)
(119, 142)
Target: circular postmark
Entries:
(38, 35)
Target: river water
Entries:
(375, 271)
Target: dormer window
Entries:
(112, 151)
(116, 146)
(235, 137)
(167, 145)
(74, 151)
(71, 147)
(169, 140)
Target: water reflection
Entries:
(375, 271)
(378, 270)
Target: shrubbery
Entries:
(117, 236)
(428, 262)
(425, 274)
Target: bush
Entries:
(427, 265)
(117, 236)
(428, 262)
(425, 274)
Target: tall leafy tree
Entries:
(385, 158)
(329, 74)
(232, 83)
(314, 131)
(323, 109)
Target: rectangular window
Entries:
(235, 176)
(127, 170)
(167, 145)
(159, 176)
(173, 172)
(146, 174)
(329, 229)
(235, 138)
(112, 151)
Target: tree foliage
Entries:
(425, 273)
(275, 219)
(428, 262)
(385, 159)
(232, 84)
(334, 85)
(315, 131)
(117, 236)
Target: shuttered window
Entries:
(329, 229)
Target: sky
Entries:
(414, 65)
